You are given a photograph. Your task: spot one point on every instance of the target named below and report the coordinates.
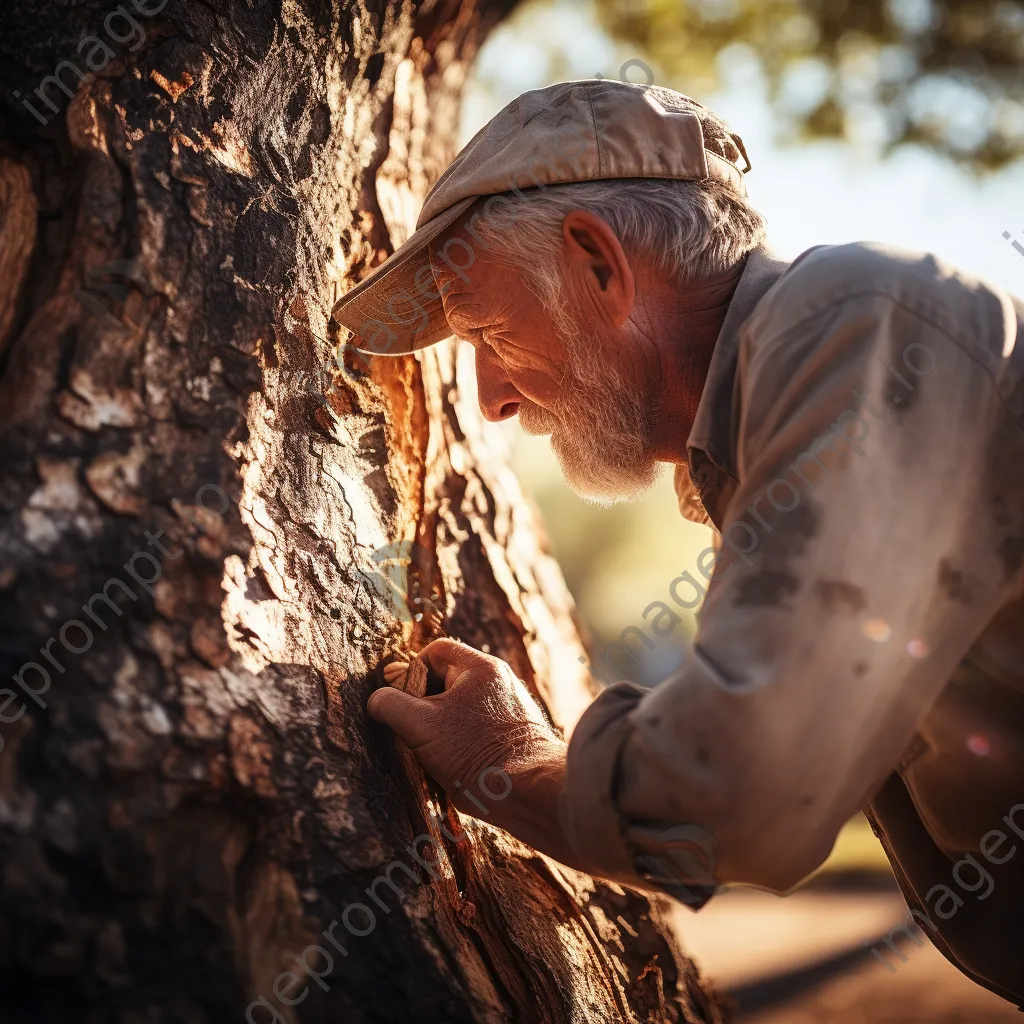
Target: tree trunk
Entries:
(210, 545)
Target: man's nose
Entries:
(498, 397)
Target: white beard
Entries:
(601, 433)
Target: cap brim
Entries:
(397, 309)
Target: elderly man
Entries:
(851, 423)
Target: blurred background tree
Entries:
(947, 75)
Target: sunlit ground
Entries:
(617, 561)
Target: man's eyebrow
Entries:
(443, 275)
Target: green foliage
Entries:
(946, 74)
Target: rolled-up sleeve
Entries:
(678, 858)
(866, 546)
(590, 816)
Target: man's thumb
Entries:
(400, 710)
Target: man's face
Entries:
(581, 386)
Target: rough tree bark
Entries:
(196, 793)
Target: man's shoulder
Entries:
(869, 273)
(857, 262)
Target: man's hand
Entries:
(486, 741)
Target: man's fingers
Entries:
(405, 714)
(450, 659)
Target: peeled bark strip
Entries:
(199, 556)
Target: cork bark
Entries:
(215, 530)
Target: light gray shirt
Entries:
(859, 445)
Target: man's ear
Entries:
(598, 266)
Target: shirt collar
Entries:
(706, 482)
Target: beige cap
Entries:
(566, 133)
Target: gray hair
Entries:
(691, 229)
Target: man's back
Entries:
(878, 456)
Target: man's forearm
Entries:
(531, 810)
